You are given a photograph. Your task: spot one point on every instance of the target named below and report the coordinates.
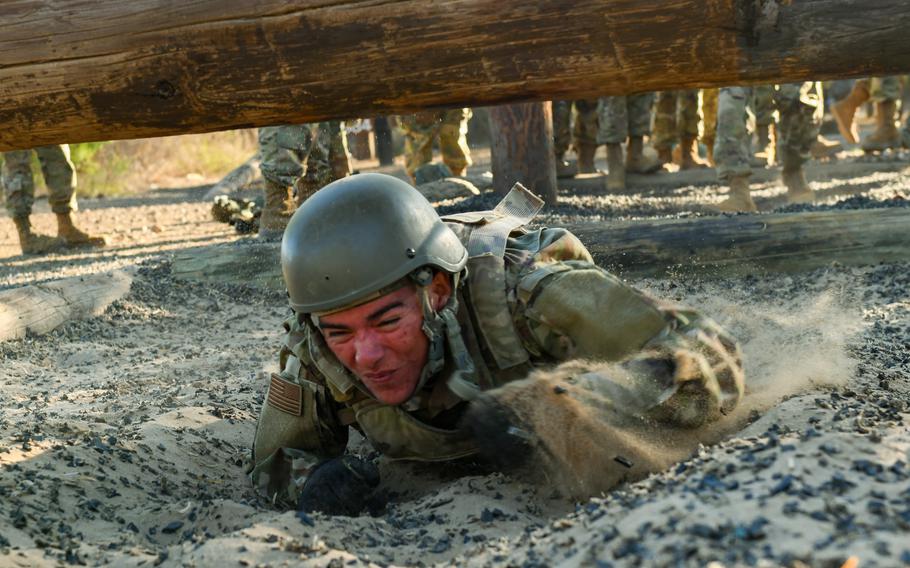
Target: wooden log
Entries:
(747, 244)
(240, 177)
(711, 247)
(81, 70)
(521, 148)
(40, 308)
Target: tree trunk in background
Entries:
(85, 70)
(382, 132)
(521, 148)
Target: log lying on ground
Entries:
(710, 246)
(80, 70)
(242, 176)
(40, 308)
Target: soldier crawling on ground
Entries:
(441, 339)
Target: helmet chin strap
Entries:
(441, 328)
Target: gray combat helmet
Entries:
(358, 235)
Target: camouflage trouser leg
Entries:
(621, 117)
(453, 141)
(885, 88)
(613, 120)
(709, 112)
(762, 104)
(731, 147)
(585, 130)
(688, 116)
(562, 127)
(639, 110)
(59, 176)
(665, 127)
(800, 108)
(18, 183)
(284, 151)
(331, 135)
(319, 169)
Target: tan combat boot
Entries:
(33, 243)
(845, 109)
(637, 161)
(886, 135)
(689, 159)
(72, 237)
(824, 148)
(798, 190)
(616, 168)
(739, 198)
(276, 212)
(585, 153)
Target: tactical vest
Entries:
(487, 328)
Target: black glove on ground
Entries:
(339, 486)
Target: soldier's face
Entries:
(382, 341)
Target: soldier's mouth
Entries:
(379, 376)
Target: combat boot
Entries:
(616, 168)
(565, 168)
(689, 159)
(824, 148)
(886, 134)
(637, 161)
(33, 243)
(739, 198)
(276, 212)
(72, 237)
(798, 190)
(585, 154)
(845, 109)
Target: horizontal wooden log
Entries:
(81, 70)
(710, 246)
(41, 308)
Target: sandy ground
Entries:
(123, 438)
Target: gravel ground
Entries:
(123, 438)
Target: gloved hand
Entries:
(339, 486)
(502, 438)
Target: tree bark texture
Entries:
(40, 308)
(81, 70)
(712, 247)
(521, 148)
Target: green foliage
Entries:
(100, 168)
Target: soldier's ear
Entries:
(440, 290)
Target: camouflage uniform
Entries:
(584, 130)
(676, 117)
(538, 301)
(885, 88)
(422, 129)
(799, 105)
(709, 115)
(291, 153)
(59, 175)
(622, 117)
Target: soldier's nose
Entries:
(367, 353)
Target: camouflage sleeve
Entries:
(573, 309)
(298, 425)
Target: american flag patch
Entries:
(285, 396)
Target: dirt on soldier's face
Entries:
(382, 341)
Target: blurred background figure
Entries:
(422, 130)
(800, 108)
(582, 134)
(676, 118)
(60, 178)
(885, 93)
(621, 118)
(297, 160)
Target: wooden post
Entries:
(521, 148)
(382, 133)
